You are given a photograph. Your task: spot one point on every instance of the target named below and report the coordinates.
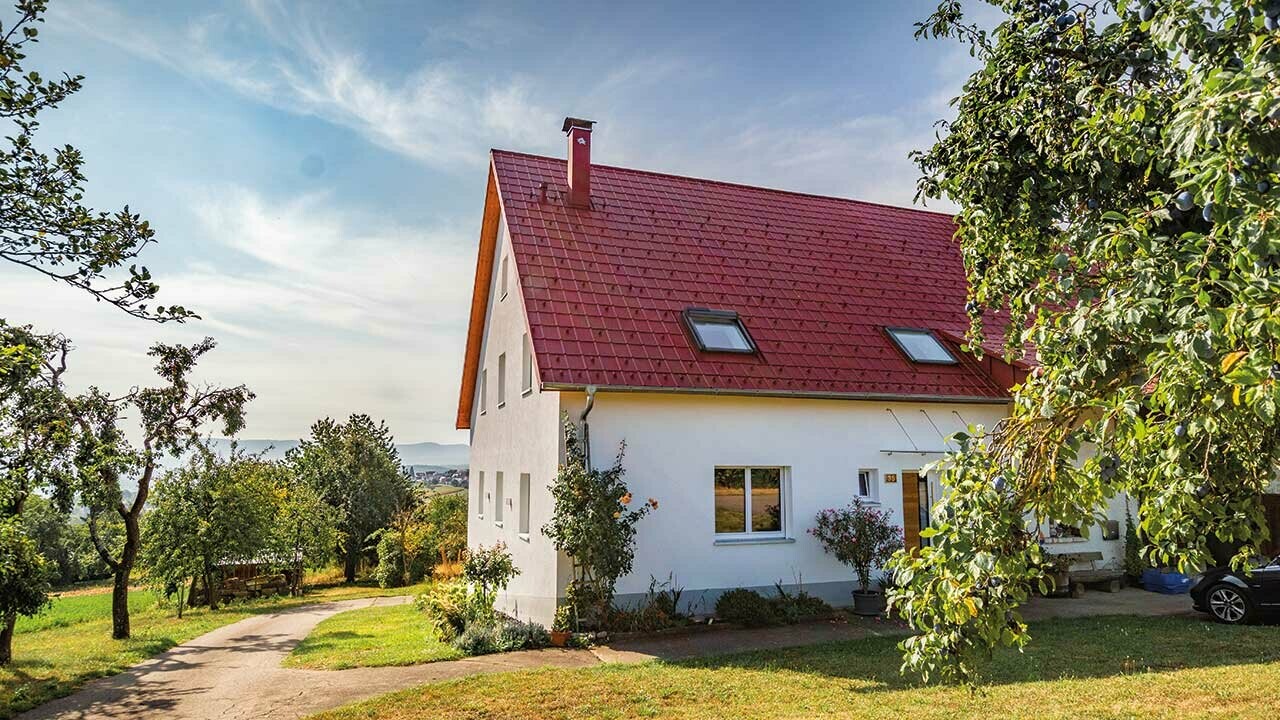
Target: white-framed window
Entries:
(484, 391)
(480, 495)
(869, 485)
(750, 501)
(498, 499)
(502, 379)
(526, 366)
(524, 504)
(502, 291)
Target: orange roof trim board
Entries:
(814, 280)
(479, 300)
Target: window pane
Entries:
(502, 378)
(731, 500)
(526, 366)
(766, 500)
(864, 483)
(922, 346)
(497, 497)
(720, 335)
(524, 503)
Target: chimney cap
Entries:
(573, 122)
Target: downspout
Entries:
(586, 429)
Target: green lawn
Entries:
(70, 642)
(1094, 668)
(371, 637)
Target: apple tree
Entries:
(1115, 166)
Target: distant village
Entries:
(433, 475)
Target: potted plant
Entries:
(560, 625)
(861, 537)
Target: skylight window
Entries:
(921, 346)
(718, 331)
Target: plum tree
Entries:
(1154, 328)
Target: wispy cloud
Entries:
(287, 60)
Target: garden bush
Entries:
(483, 636)
(748, 608)
(450, 607)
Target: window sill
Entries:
(526, 392)
(497, 523)
(868, 499)
(523, 536)
(502, 404)
(1064, 541)
(766, 540)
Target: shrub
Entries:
(658, 609)
(450, 607)
(747, 607)
(490, 570)
(390, 570)
(488, 635)
(479, 638)
(594, 523)
(794, 608)
(516, 635)
(859, 536)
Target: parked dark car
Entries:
(1235, 597)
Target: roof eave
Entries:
(797, 394)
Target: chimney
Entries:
(579, 132)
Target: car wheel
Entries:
(1228, 604)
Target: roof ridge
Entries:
(728, 183)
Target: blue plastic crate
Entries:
(1169, 583)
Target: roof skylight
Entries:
(718, 331)
(921, 346)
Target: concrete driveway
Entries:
(234, 673)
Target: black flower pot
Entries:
(870, 603)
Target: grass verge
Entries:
(70, 643)
(371, 637)
(1091, 667)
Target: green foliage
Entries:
(746, 607)
(356, 469)
(1134, 565)
(1114, 174)
(24, 575)
(859, 536)
(44, 225)
(594, 525)
(490, 635)
(390, 570)
(64, 542)
(446, 518)
(207, 513)
(305, 527)
(489, 570)
(450, 606)
(751, 609)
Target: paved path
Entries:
(234, 673)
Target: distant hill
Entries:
(423, 453)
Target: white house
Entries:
(764, 354)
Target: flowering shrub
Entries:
(594, 523)
(860, 536)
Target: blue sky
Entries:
(316, 171)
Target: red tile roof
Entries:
(814, 279)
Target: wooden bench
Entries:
(1108, 578)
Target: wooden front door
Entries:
(911, 508)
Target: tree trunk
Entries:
(349, 566)
(6, 639)
(120, 600)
